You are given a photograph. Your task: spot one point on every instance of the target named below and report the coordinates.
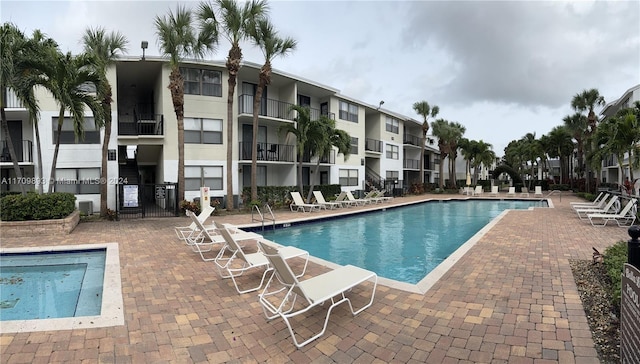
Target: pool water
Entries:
(51, 284)
(403, 244)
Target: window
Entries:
(348, 177)
(78, 181)
(348, 111)
(393, 125)
(199, 176)
(68, 136)
(304, 100)
(354, 145)
(202, 131)
(202, 82)
(392, 151)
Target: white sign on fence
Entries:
(630, 315)
(130, 195)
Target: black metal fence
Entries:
(147, 200)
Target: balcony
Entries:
(611, 161)
(411, 164)
(373, 145)
(23, 149)
(275, 109)
(411, 139)
(150, 124)
(12, 100)
(268, 152)
(330, 159)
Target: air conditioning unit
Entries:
(86, 207)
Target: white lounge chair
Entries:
(321, 201)
(494, 191)
(511, 192)
(524, 192)
(280, 295)
(183, 231)
(238, 262)
(342, 198)
(478, 191)
(356, 201)
(610, 207)
(203, 239)
(371, 197)
(538, 191)
(626, 217)
(597, 203)
(299, 204)
(380, 196)
(597, 200)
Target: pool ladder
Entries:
(261, 217)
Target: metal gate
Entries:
(147, 200)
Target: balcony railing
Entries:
(268, 152)
(331, 159)
(373, 145)
(412, 164)
(275, 109)
(12, 100)
(411, 139)
(611, 161)
(23, 149)
(151, 124)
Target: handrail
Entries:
(552, 192)
(262, 217)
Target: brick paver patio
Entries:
(511, 298)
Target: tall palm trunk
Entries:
(104, 175)
(441, 169)
(263, 81)
(176, 85)
(12, 151)
(39, 156)
(52, 178)
(422, 149)
(233, 66)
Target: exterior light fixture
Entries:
(380, 104)
(144, 45)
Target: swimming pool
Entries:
(51, 284)
(109, 311)
(402, 244)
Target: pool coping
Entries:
(441, 269)
(111, 313)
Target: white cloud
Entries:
(501, 68)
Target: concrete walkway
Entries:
(511, 298)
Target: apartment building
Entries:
(143, 148)
(611, 166)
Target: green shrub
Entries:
(613, 259)
(278, 196)
(33, 206)
(191, 206)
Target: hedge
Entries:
(33, 206)
(278, 196)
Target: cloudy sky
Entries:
(500, 68)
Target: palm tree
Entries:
(41, 47)
(561, 146)
(587, 101)
(104, 47)
(322, 137)
(271, 45)
(300, 130)
(457, 131)
(235, 22)
(70, 79)
(440, 129)
(425, 110)
(178, 39)
(620, 134)
(577, 125)
(12, 58)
